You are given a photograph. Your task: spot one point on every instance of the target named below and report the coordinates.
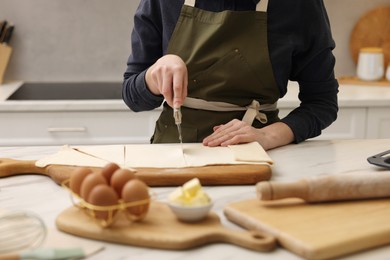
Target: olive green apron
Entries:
(230, 73)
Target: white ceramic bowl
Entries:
(190, 213)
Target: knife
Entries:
(177, 117)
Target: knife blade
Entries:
(177, 116)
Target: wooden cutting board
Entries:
(317, 231)
(161, 229)
(372, 30)
(240, 174)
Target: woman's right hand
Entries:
(168, 77)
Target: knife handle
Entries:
(177, 115)
(8, 34)
(3, 25)
(328, 188)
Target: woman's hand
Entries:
(236, 132)
(168, 77)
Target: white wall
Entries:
(343, 15)
(81, 40)
(71, 40)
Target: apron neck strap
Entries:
(261, 6)
(190, 2)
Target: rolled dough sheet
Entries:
(158, 155)
(155, 156)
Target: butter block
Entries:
(192, 187)
(190, 194)
(201, 198)
(177, 195)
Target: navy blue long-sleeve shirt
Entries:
(299, 41)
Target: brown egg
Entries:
(119, 179)
(108, 170)
(77, 178)
(103, 195)
(89, 182)
(136, 190)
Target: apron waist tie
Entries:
(261, 6)
(252, 110)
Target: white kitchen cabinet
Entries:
(378, 123)
(118, 127)
(45, 127)
(351, 123)
(364, 112)
(75, 127)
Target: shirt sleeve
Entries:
(318, 95)
(312, 66)
(146, 48)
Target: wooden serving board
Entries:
(317, 231)
(372, 30)
(161, 229)
(239, 174)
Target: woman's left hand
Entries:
(234, 132)
(237, 132)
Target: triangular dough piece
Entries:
(250, 152)
(69, 156)
(109, 153)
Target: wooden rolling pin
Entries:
(328, 188)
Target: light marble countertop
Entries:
(349, 96)
(42, 196)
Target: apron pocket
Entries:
(223, 80)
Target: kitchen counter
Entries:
(349, 96)
(42, 196)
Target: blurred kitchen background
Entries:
(84, 40)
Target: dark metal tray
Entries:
(380, 159)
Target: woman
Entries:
(226, 63)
